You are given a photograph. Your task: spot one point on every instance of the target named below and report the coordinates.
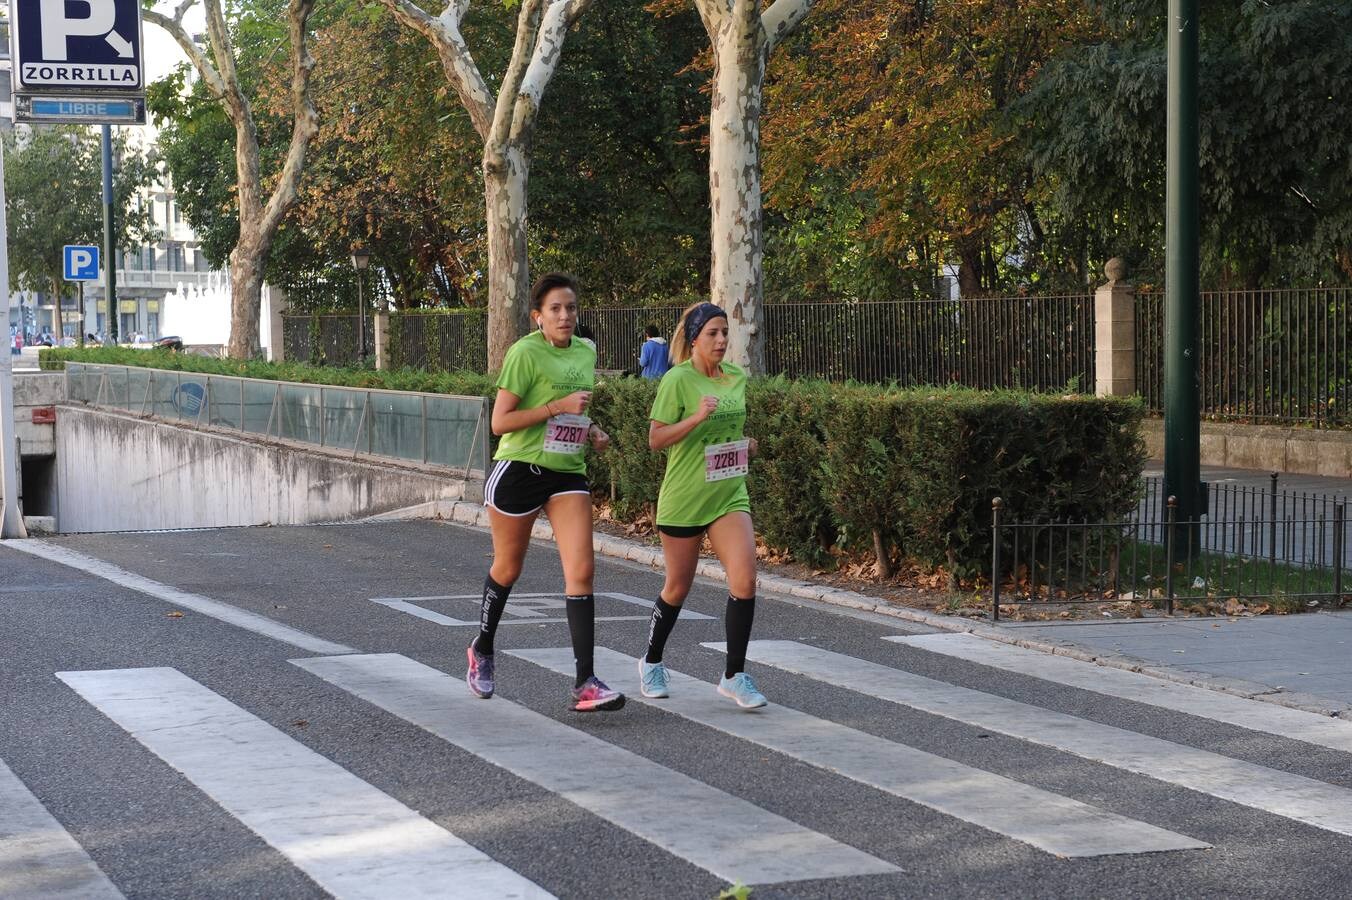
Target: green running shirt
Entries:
(686, 498)
(538, 373)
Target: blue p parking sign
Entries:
(80, 262)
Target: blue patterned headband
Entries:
(698, 318)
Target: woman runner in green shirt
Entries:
(698, 417)
(543, 391)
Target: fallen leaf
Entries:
(174, 615)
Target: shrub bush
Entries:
(910, 472)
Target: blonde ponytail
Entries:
(680, 345)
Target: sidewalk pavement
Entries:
(1306, 657)
(1262, 480)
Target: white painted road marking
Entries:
(1255, 715)
(528, 612)
(215, 609)
(1057, 824)
(722, 834)
(1270, 790)
(39, 860)
(352, 839)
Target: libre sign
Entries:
(78, 51)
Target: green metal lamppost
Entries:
(1182, 290)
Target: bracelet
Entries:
(549, 408)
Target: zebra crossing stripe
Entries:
(722, 834)
(1048, 821)
(39, 860)
(351, 838)
(1270, 790)
(240, 618)
(1312, 728)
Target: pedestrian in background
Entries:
(655, 358)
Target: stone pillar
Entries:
(382, 320)
(1115, 333)
(270, 330)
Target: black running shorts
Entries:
(516, 488)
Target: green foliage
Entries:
(1276, 165)
(621, 406)
(786, 493)
(54, 196)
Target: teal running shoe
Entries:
(652, 679)
(741, 688)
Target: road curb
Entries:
(473, 514)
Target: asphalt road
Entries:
(169, 805)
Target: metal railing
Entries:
(1268, 355)
(434, 429)
(439, 341)
(1030, 342)
(329, 339)
(1163, 560)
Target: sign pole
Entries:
(11, 522)
(109, 237)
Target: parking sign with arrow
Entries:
(78, 49)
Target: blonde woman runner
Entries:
(543, 391)
(698, 418)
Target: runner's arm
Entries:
(661, 435)
(507, 418)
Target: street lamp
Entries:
(361, 257)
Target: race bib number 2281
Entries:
(722, 461)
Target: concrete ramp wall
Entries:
(117, 472)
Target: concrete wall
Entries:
(33, 391)
(118, 472)
(1304, 451)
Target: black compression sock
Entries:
(495, 598)
(659, 629)
(582, 627)
(737, 626)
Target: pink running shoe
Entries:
(480, 674)
(594, 695)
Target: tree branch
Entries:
(783, 18)
(444, 34)
(713, 13)
(306, 120)
(527, 29)
(558, 16)
(174, 28)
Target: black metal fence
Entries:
(326, 340)
(1035, 343)
(439, 341)
(1267, 356)
(1242, 555)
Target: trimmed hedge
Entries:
(903, 473)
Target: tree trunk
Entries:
(969, 266)
(884, 557)
(735, 191)
(246, 294)
(505, 177)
